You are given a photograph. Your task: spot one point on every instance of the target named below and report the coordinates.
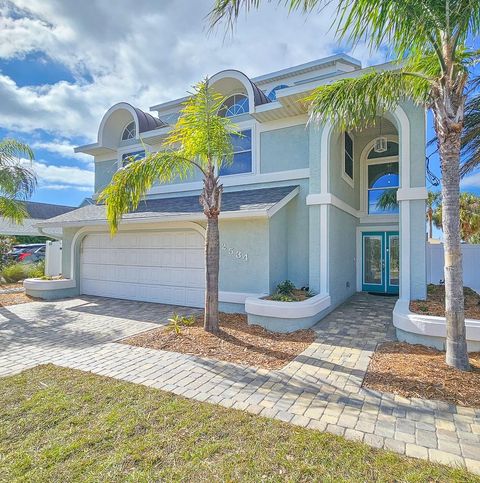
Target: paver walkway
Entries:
(320, 389)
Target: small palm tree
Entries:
(200, 140)
(17, 181)
(429, 39)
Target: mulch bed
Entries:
(15, 298)
(419, 371)
(435, 303)
(237, 342)
(298, 295)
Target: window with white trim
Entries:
(234, 105)
(128, 158)
(347, 172)
(129, 132)
(242, 155)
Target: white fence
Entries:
(53, 258)
(471, 264)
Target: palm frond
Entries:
(12, 150)
(355, 103)
(12, 209)
(130, 184)
(471, 136)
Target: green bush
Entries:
(285, 288)
(278, 297)
(19, 271)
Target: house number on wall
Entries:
(235, 253)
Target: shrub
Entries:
(278, 297)
(285, 288)
(36, 270)
(20, 271)
(15, 272)
(177, 322)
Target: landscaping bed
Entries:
(435, 303)
(419, 371)
(15, 298)
(237, 342)
(65, 425)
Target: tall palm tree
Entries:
(469, 216)
(17, 180)
(200, 140)
(429, 39)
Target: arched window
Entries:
(234, 106)
(383, 182)
(273, 93)
(129, 131)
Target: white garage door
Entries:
(163, 266)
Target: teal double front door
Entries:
(380, 262)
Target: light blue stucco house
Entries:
(300, 203)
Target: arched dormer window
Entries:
(129, 132)
(272, 96)
(234, 105)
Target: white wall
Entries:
(471, 264)
(53, 258)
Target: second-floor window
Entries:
(234, 106)
(129, 157)
(348, 158)
(242, 157)
(129, 131)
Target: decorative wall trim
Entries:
(408, 194)
(37, 284)
(330, 199)
(287, 310)
(236, 180)
(238, 297)
(428, 325)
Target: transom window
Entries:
(128, 158)
(129, 132)
(348, 158)
(273, 93)
(383, 182)
(242, 157)
(392, 150)
(234, 106)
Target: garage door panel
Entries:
(164, 267)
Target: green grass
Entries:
(64, 425)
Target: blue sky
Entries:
(63, 63)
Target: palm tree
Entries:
(428, 39)
(433, 201)
(469, 217)
(200, 140)
(17, 181)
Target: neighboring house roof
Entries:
(36, 212)
(262, 202)
(146, 122)
(42, 211)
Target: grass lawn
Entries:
(64, 425)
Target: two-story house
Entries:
(302, 202)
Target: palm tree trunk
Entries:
(212, 260)
(211, 200)
(449, 135)
(430, 222)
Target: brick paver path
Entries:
(320, 389)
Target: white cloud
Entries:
(61, 177)
(63, 148)
(143, 52)
(471, 181)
